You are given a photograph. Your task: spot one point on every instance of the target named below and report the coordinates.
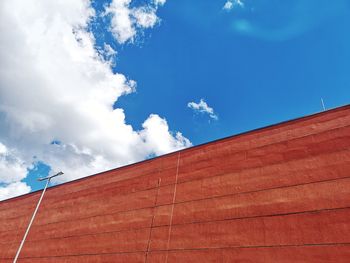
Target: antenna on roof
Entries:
(324, 108)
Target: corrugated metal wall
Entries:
(278, 194)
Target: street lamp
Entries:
(48, 178)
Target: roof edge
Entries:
(313, 115)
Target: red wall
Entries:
(278, 194)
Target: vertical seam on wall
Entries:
(172, 207)
(152, 222)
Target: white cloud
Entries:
(228, 5)
(203, 107)
(127, 22)
(12, 168)
(109, 51)
(13, 189)
(157, 136)
(54, 86)
(145, 17)
(12, 171)
(122, 26)
(159, 2)
(232, 3)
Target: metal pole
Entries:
(324, 108)
(34, 214)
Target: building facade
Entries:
(276, 194)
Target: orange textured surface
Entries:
(276, 194)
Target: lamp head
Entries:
(49, 177)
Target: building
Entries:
(276, 194)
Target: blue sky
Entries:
(254, 63)
(250, 81)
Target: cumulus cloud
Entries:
(203, 107)
(109, 52)
(14, 189)
(57, 95)
(126, 22)
(145, 17)
(232, 3)
(159, 139)
(12, 168)
(12, 171)
(159, 2)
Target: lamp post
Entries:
(48, 178)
